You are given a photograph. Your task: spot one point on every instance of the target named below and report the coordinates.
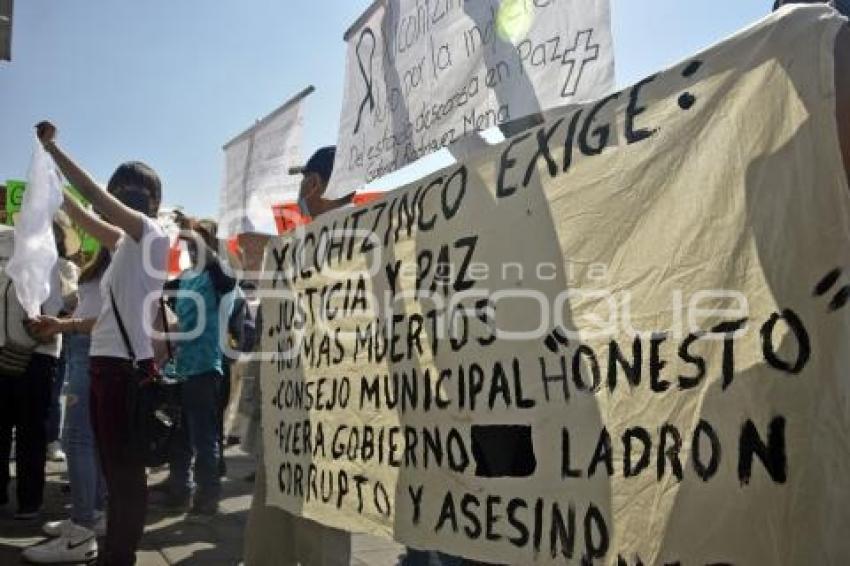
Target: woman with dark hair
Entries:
(77, 535)
(121, 347)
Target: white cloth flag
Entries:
(420, 77)
(35, 247)
(257, 173)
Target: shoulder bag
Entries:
(152, 411)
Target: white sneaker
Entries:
(76, 544)
(54, 452)
(56, 528)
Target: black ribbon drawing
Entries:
(369, 98)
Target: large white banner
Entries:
(423, 74)
(618, 338)
(256, 176)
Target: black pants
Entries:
(223, 401)
(24, 404)
(123, 469)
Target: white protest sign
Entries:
(617, 338)
(256, 176)
(422, 75)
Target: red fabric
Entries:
(174, 259)
(124, 471)
(365, 198)
(288, 215)
(233, 245)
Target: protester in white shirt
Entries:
(128, 228)
(88, 486)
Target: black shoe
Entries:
(204, 508)
(176, 502)
(27, 514)
(163, 487)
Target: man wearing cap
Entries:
(316, 175)
(272, 536)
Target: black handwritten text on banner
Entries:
(422, 75)
(619, 337)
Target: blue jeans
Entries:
(54, 415)
(88, 488)
(198, 437)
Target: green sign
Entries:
(15, 196)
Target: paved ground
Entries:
(172, 539)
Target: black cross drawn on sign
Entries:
(579, 55)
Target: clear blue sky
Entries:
(170, 81)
